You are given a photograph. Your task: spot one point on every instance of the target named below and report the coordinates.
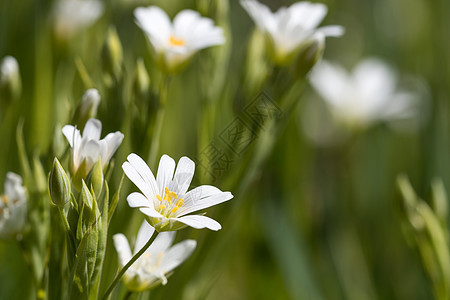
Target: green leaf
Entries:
(115, 200)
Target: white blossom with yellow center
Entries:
(13, 207)
(178, 41)
(151, 269)
(290, 27)
(165, 200)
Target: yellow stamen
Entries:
(175, 41)
(174, 209)
(162, 206)
(159, 198)
(180, 202)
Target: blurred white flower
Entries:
(290, 28)
(89, 148)
(176, 42)
(13, 207)
(151, 268)
(10, 82)
(367, 95)
(71, 16)
(165, 201)
(87, 107)
(8, 68)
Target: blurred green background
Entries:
(316, 222)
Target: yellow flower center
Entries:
(176, 41)
(169, 204)
(4, 199)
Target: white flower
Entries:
(165, 201)
(178, 41)
(90, 101)
(365, 96)
(150, 269)
(10, 82)
(87, 107)
(89, 148)
(291, 27)
(71, 16)
(9, 67)
(13, 207)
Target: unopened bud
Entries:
(59, 185)
(142, 80)
(10, 82)
(95, 178)
(87, 107)
(310, 55)
(89, 211)
(112, 54)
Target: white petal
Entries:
(200, 222)
(113, 141)
(92, 151)
(144, 234)
(72, 135)
(184, 22)
(183, 176)
(165, 173)
(401, 106)
(155, 22)
(14, 188)
(92, 129)
(122, 248)
(177, 254)
(332, 82)
(332, 30)
(162, 242)
(202, 197)
(138, 200)
(139, 173)
(260, 14)
(151, 212)
(309, 15)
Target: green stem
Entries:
(156, 139)
(125, 268)
(128, 295)
(64, 219)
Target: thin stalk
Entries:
(156, 139)
(64, 219)
(128, 295)
(128, 265)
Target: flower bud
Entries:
(141, 85)
(10, 82)
(59, 185)
(112, 56)
(95, 178)
(89, 211)
(310, 55)
(87, 107)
